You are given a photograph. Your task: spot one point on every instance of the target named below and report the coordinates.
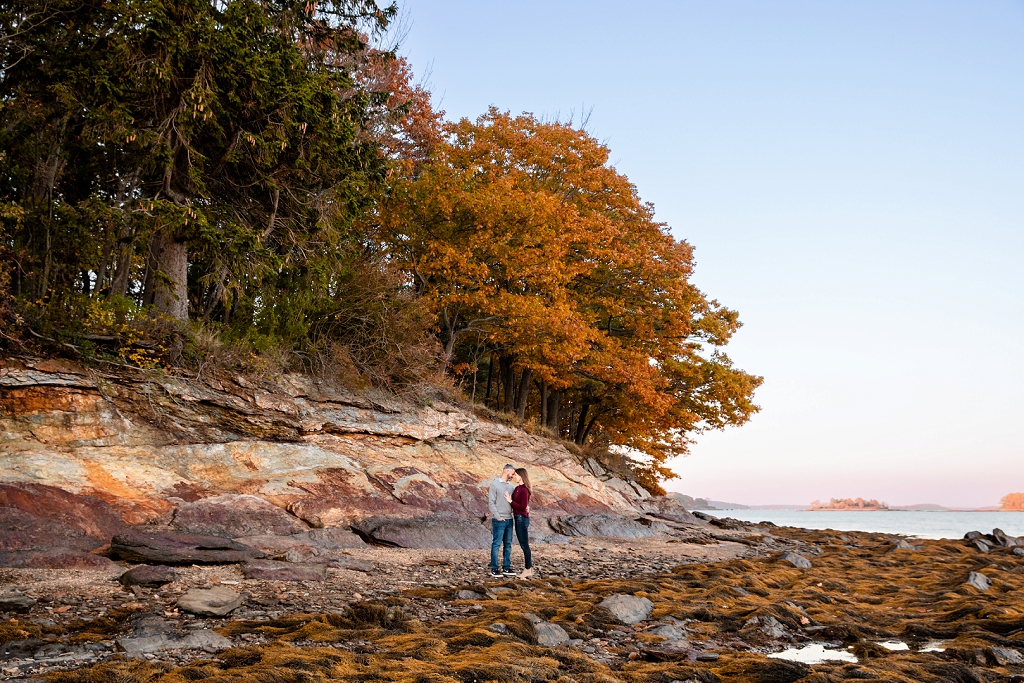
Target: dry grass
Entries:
(858, 592)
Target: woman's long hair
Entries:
(521, 471)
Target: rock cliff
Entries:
(238, 456)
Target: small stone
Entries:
(707, 656)
(467, 595)
(798, 561)
(628, 609)
(1018, 551)
(903, 545)
(979, 581)
(498, 627)
(15, 602)
(971, 535)
(210, 602)
(148, 575)
(980, 545)
(550, 635)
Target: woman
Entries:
(520, 501)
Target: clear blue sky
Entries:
(851, 175)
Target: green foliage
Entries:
(235, 129)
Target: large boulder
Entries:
(308, 543)
(172, 548)
(234, 515)
(432, 531)
(601, 525)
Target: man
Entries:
(501, 521)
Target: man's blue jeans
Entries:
(501, 535)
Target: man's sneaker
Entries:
(495, 574)
(508, 572)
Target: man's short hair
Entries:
(508, 467)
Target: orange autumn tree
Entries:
(540, 258)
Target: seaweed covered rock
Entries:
(979, 581)
(798, 561)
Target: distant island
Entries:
(849, 504)
(1012, 502)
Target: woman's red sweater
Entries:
(521, 501)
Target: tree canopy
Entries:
(258, 172)
(531, 247)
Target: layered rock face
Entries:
(85, 452)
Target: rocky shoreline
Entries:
(158, 529)
(608, 609)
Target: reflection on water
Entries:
(934, 646)
(815, 653)
(894, 645)
(909, 523)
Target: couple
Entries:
(508, 501)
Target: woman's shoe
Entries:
(526, 573)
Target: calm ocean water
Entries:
(910, 523)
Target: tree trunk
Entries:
(581, 423)
(590, 425)
(554, 406)
(490, 371)
(523, 392)
(123, 270)
(216, 293)
(169, 276)
(508, 380)
(544, 403)
(44, 281)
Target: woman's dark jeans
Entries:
(523, 534)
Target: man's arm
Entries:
(492, 501)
